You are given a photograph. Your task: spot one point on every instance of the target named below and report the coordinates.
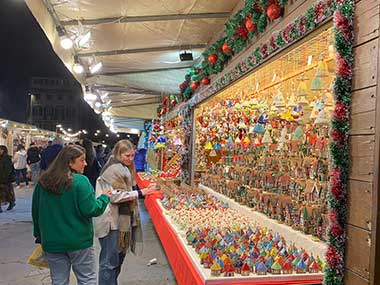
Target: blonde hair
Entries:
(121, 147)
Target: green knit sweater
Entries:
(64, 222)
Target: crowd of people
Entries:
(74, 184)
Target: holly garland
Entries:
(239, 30)
(303, 24)
(339, 145)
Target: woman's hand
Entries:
(107, 192)
(146, 191)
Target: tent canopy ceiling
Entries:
(138, 42)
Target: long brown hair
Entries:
(4, 150)
(121, 147)
(58, 176)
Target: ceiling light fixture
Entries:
(84, 40)
(66, 42)
(96, 66)
(77, 67)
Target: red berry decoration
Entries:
(242, 32)
(198, 70)
(212, 58)
(205, 81)
(274, 11)
(249, 25)
(226, 48)
(194, 85)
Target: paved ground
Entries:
(17, 243)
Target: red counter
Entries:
(182, 266)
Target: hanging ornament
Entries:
(226, 48)
(246, 141)
(267, 139)
(212, 58)
(302, 89)
(249, 25)
(263, 118)
(328, 98)
(322, 69)
(205, 81)
(177, 141)
(292, 100)
(316, 84)
(194, 85)
(259, 128)
(208, 146)
(314, 112)
(279, 101)
(298, 134)
(274, 11)
(321, 118)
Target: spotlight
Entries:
(84, 40)
(77, 67)
(66, 42)
(95, 67)
(90, 97)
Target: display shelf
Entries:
(185, 262)
(306, 241)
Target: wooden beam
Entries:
(142, 50)
(153, 18)
(146, 70)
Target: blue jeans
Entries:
(20, 172)
(110, 259)
(82, 261)
(35, 170)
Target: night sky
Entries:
(26, 52)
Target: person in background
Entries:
(50, 152)
(63, 205)
(19, 163)
(33, 160)
(119, 228)
(7, 176)
(100, 154)
(92, 170)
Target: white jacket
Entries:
(19, 160)
(110, 218)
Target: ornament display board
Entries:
(264, 140)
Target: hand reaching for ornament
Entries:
(150, 189)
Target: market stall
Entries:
(270, 80)
(14, 133)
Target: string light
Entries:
(68, 133)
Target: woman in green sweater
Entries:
(62, 208)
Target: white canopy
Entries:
(138, 42)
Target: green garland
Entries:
(339, 145)
(236, 36)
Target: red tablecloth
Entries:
(181, 264)
(142, 183)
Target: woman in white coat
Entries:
(19, 163)
(119, 228)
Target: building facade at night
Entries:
(54, 101)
